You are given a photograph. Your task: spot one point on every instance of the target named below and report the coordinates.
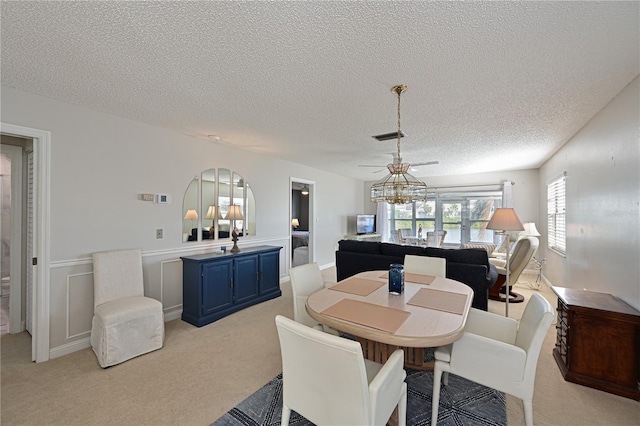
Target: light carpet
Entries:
(462, 402)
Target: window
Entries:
(464, 215)
(556, 213)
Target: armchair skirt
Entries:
(125, 328)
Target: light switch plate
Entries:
(159, 233)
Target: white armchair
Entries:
(495, 352)
(125, 323)
(327, 380)
(425, 265)
(306, 280)
(519, 258)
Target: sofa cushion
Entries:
(371, 247)
(389, 249)
(474, 256)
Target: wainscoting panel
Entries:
(79, 312)
(171, 283)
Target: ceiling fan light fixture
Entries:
(399, 186)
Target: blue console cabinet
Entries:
(216, 285)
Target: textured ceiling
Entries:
(492, 85)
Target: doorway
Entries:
(33, 255)
(302, 219)
(12, 314)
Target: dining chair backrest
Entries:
(327, 380)
(436, 238)
(425, 265)
(305, 280)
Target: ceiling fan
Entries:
(395, 161)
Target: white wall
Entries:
(101, 163)
(602, 162)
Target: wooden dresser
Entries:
(598, 341)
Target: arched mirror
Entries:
(209, 208)
(215, 204)
(190, 212)
(224, 201)
(250, 220)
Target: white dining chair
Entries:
(306, 280)
(495, 351)
(327, 380)
(425, 265)
(125, 323)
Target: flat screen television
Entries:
(365, 224)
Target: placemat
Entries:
(414, 278)
(359, 286)
(439, 300)
(374, 316)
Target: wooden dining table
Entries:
(432, 311)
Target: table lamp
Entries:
(295, 223)
(505, 220)
(234, 213)
(191, 215)
(212, 213)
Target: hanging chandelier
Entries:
(399, 187)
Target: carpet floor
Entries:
(462, 402)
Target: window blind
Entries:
(556, 213)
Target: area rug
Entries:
(462, 402)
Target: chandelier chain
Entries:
(399, 131)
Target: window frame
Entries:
(557, 214)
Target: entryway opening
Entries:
(302, 221)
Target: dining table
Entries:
(430, 312)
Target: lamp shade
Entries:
(213, 213)
(530, 230)
(234, 213)
(295, 222)
(505, 219)
(191, 214)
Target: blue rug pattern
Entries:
(462, 402)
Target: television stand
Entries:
(364, 237)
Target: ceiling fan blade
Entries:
(369, 165)
(427, 163)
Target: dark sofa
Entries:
(469, 266)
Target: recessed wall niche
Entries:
(214, 203)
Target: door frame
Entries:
(312, 215)
(41, 233)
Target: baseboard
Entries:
(173, 314)
(69, 348)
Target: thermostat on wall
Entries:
(162, 199)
